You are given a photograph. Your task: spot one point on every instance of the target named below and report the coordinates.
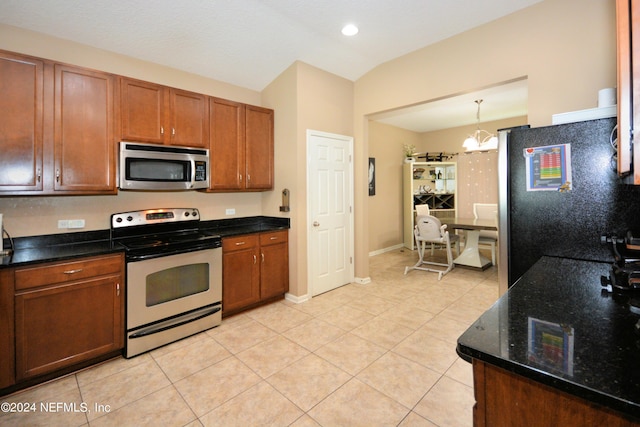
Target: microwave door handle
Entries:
(193, 173)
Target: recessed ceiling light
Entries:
(349, 30)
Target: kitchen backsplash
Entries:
(32, 216)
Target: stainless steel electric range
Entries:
(174, 276)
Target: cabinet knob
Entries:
(316, 224)
(77, 270)
(255, 259)
(38, 174)
(118, 289)
(262, 257)
(161, 130)
(57, 175)
(173, 131)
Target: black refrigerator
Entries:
(559, 193)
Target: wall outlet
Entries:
(76, 223)
(231, 211)
(71, 223)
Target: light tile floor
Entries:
(380, 354)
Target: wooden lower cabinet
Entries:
(67, 313)
(240, 272)
(255, 270)
(274, 267)
(507, 399)
(7, 337)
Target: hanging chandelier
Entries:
(481, 139)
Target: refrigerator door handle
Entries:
(503, 211)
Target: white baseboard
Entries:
(296, 299)
(358, 280)
(389, 249)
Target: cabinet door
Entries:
(84, 153)
(142, 111)
(21, 122)
(226, 144)
(7, 338)
(240, 279)
(259, 148)
(61, 325)
(240, 272)
(274, 270)
(189, 119)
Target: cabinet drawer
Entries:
(239, 242)
(51, 273)
(273, 237)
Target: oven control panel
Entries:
(154, 216)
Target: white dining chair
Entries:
(422, 210)
(430, 230)
(488, 238)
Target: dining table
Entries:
(471, 256)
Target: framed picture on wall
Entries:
(372, 176)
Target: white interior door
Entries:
(330, 210)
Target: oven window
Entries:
(177, 282)
(157, 170)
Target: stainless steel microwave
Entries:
(162, 168)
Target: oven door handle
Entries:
(174, 323)
(136, 257)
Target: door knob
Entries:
(316, 224)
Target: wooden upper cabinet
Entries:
(241, 146)
(21, 122)
(56, 128)
(142, 111)
(189, 118)
(159, 114)
(259, 147)
(226, 144)
(84, 144)
(60, 126)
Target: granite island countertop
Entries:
(58, 247)
(556, 326)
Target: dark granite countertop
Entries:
(557, 326)
(58, 247)
(237, 226)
